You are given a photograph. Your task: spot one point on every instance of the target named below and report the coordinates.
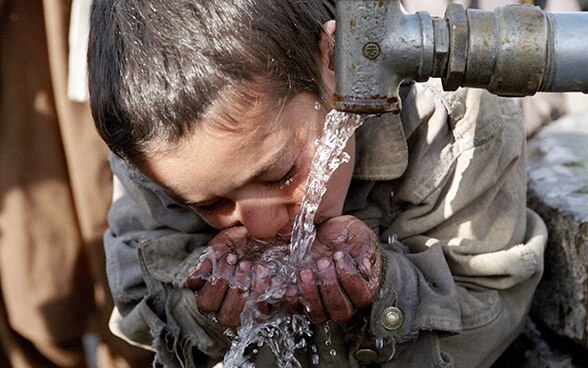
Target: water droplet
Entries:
(317, 105)
(379, 343)
(315, 359)
(313, 348)
(230, 334)
(333, 353)
(327, 331)
(255, 351)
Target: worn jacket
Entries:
(443, 184)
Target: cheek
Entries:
(337, 188)
(338, 184)
(293, 194)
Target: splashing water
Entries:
(339, 127)
(282, 332)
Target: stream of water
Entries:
(282, 332)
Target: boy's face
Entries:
(250, 168)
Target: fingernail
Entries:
(338, 256)
(323, 264)
(232, 259)
(245, 266)
(367, 267)
(261, 271)
(291, 291)
(306, 276)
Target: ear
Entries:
(327, 44)
(327, 47)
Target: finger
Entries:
(233, 239)
(198, 277)
(365, 265)
(210, 297)
(234, 302)
(364, 252)
(291, 300)
(229, 236)
(259, 284)
(311, 298)
(365, 243)
(357, 287)
(334, 298)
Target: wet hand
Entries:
(229, 273)
(344, 273)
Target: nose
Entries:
(265, 220)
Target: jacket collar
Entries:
(381, 149)
(382, 152)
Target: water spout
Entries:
(515, 50)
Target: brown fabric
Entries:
(55, 190)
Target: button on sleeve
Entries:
(392, 318)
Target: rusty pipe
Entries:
(377, 47)
(516, 50)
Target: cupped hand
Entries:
(341, 276)
(343, 273)
(228, 275)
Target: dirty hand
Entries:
(344, 271)
(228, 275)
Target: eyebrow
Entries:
(257, 175)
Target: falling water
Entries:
(282, 332)
(339, 127)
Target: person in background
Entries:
(55, 189)
(542, 108)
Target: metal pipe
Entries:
(569, 60)
(516, 50)
(372, 58)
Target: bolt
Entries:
(371, 50)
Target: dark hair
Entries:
(156, 66)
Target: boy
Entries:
(212, 109)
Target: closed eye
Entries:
(285, 180)
(211, 207)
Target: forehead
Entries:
(242, 110)
(226, 148)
